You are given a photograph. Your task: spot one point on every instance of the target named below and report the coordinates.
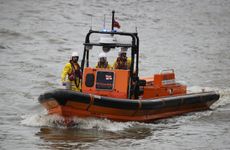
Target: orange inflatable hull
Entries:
(75, 104)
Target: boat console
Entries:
(105, 82)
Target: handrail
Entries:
(108, 44)
(167, 70)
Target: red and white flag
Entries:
(108, 77)
(116, 24)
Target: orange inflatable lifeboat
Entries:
(122, 95)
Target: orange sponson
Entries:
(163, 84)
(124, 115)
(117, 88)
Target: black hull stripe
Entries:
(62, 96)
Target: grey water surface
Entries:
(37, 38)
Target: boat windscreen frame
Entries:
(134, 78)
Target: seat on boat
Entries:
(162, 84)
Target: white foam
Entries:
(224, 98)
(39, 120)
(102, 124)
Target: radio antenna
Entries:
(91, 21)
(113, 12)
(104, 22)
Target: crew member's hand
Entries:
(64, 83)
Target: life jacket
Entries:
(75, 74)
(102, 65)
(121, 64)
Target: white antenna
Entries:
(104, 23)
(91, 22)
(136, 14)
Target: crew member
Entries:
(102, 61)
(72, 69)
(122, 62)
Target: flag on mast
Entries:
(116, 24)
